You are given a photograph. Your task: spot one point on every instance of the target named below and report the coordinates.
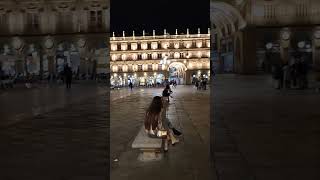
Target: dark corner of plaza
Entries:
(54, 68)
(265, 88)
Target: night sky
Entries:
(129, 15)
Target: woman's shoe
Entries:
(176, 132)
(174, 141)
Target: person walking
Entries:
(68, 76)
(131, 85)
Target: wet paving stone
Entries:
(66, 143)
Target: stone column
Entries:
(284, 45)
(316, 52)
(245, 45)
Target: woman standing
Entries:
(155, 125)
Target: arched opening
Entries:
(177, 72)
(228, 21)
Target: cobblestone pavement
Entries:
(69, 142)
(261, 133)
(188, 160)
(20, 104)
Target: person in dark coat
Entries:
(68, 76)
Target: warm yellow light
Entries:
(114, 57)
(134, 56)
(124, 46)
(123, 57)
(154, 45)
(199, 54)
(145, 74)
(115, 75)
(144, 46)
(124, 74)
(144, 56)
(176, 45)
(199, 44)
(176, 55)
(155, 74)
(113, 47)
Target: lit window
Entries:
(199, 44)
(176, 55)
(124, 57)
(188, 44)
(114, 57)
(144, 46)
(208, 43)
(165, 45)
(134, 46)
(115, 68)
(124, 46)
(114, 47)
(134, 56)
(176, 45)
(199, 54)
(144, 56)
(154, 56)
(154, 45)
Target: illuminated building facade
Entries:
(250, 36)
(149, 60)
(40, 36)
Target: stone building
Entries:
(250, 36)
(41, 36)
(155, 58)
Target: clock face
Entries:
(317, 34)
(48, 43)
(81, 43)
(285, 35)
(17, 43)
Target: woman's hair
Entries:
(167, 86)
(152, 114)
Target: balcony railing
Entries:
(180, 36)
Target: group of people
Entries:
(156, 123)
(293, 75)
(201, 84)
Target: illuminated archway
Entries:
(177, 72)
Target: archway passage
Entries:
(177, 72)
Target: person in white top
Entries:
(155, 122)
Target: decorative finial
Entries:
(176, 31)
(123, 35)
(164, 32)
(133, 35)
(199, 31)
(154, 33)
(208, 30)
(143, 33)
